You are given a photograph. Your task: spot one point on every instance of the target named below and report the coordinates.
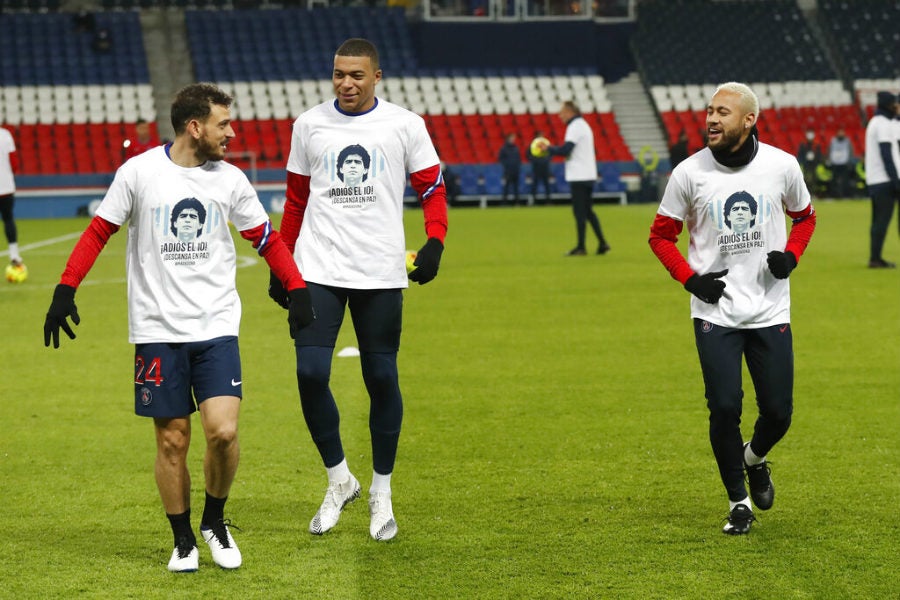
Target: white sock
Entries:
(380, 483)
(14, 252)
(750, 459)
(745, 502)
(339, 473)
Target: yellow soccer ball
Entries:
(16, 273)
(410, 261)
(539, 147)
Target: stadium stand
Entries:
(70, 106)
(773, 49)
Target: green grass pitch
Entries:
(554, 443)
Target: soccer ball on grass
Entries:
(16, 273)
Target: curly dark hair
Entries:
(195, 102)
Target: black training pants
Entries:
(770, 360)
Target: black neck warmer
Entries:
(743, 155)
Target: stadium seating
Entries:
(772, 49)
(53, 86)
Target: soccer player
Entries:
(183, 307)
(738, 276)
(581, 174)
(882, 174)
(8, 164)
(349, 242)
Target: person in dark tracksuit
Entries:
(510, 159)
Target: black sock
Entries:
(181, 526)
(213, 510)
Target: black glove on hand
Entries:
(781, 263)
(277, 291)
(707, 287)
(300, 310)
(427, 261)
(62, 306)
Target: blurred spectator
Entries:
(679, 150)
(540, 165)
(451, 183)
(809, 155)
(511, 160)
(840, 159)
(84, 21)
(144, 140)
(102, 41)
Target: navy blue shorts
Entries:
(377, 317)
(171, 380)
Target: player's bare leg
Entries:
(173, 438)
(219, 416)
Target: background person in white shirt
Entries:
(581, 175)
(8, 164)
(740, 299)
(882, 174)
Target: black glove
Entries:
(781, 263)
(62, 306)
(277, 291)
(300, 310)
(707, 287)
(427, 261)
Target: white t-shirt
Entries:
(581, 164)
(352, 233)
(7, 147)
(698, 194)
(880, 130)
(181, 286)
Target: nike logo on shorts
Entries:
(235, 383)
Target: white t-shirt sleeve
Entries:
(421, 149)
(796, 196)
(247, 211)
(297, 160)
(118, 202)
(675, 202)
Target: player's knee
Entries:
(222, 435)
(172, 444)
(380, 370)
(313, 369)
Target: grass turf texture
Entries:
(554, 441)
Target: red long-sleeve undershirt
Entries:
(265, 239)
(665, 231)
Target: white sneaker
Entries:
(337, 496)
(382, 527)
(184, 559)
(225, 552)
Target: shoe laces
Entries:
(184, 545)
(755, 470)
(742, 517)
(380, 503)
(219, 530)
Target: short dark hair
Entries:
(570, 105)
(353, 149)
(183, 204)
(359, 47)
(195, 102)
(734, 199)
